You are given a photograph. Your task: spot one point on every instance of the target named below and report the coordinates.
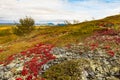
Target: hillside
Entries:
(59, 36)
(92, 41)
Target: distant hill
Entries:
(114, 19)
(46, 24)
(7, 24)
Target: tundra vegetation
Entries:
(90, 43)
(24, 26)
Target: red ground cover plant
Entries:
(1, 50)
(38, 55)
(111, 53)
(93, 46)
(107, 32)
(1, 63)
(107, 47)
(19, 79)
(108, 40)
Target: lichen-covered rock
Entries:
(100, 66)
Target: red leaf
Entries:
(19, 79)
(42, 78)
(29, 77)
(107, 47)
(23, 52)
(24, 72)
(1, 63)
(1, 50)
(111, 53)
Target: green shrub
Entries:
(25, 26)
(68, 70)
(5, 32)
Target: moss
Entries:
(68, 70)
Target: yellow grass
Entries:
(58, 36)
(3, 28)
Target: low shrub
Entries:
(25, 26)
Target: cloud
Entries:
(57, 10)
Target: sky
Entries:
(57, 11)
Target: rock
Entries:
(20, 68)
(101, 65)
(84, 75)
(11, 65)
(117, 74)
(8, 74)
(1, 74)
